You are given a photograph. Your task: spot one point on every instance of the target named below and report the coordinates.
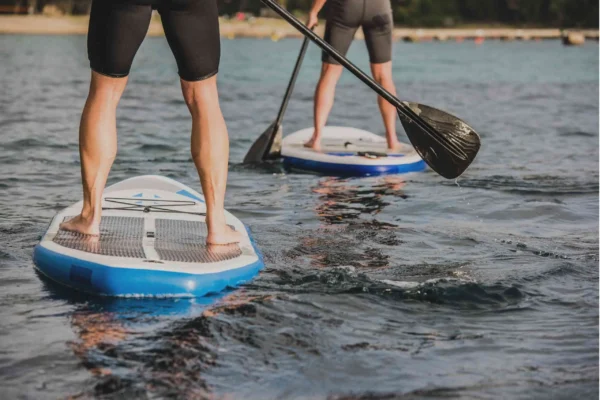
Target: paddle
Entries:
(268, 145)
(445, 142)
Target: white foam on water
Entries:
(402, 284)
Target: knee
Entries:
(379, 75)
(107, 88)
(330, 73)
(197, 95)
(191, 95)
(383, 78)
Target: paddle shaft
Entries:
(290, 88)
(406, 111)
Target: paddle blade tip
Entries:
(446, 143)
(266, 147)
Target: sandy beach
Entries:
(276, 29)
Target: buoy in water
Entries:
(276, 36)
(573, 39)
(411, 39)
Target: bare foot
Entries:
(223, 237)
(395, 147)
(92, 243)
(219, 249)
(313, 144)
(81, 225)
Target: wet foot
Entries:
(220, 249)
(223, 237)
(92, 243)
(81, 225)
(313, 144)
(396, 147)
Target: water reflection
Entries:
(143, 345)
(350, 234)
(343, 200)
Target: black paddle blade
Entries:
(267, 146)
(450, 148)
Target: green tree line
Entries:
(426, 13)
(439, 13)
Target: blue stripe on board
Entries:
(347, 154)
(101, 279)
(335, 169)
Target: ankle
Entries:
(90, 215)
(216, 222)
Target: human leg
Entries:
(323, 103)
(192, 30)
(210, 152)
(382, 73)
(377, 27)
(342, 23)
(115, 33)
(97, 149)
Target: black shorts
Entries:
(118, 27)
(346, 16)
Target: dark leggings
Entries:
(118, 27)
(346, 16)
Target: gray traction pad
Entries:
(185, 241)
(175, 240)
(119, 237)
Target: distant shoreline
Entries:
(276, 29)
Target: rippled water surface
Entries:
(374, 287)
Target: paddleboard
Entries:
(152, 243)
(348, 152)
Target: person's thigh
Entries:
(116, 31)
(192, 30)
(377, 27)
(340, 38)
(343, 20)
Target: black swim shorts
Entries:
(346, 16)
(118, 27)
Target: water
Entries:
(374, 287)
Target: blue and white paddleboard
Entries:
(348, 152)
(152, 243)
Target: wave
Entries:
(448, 290)
(533, 184)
